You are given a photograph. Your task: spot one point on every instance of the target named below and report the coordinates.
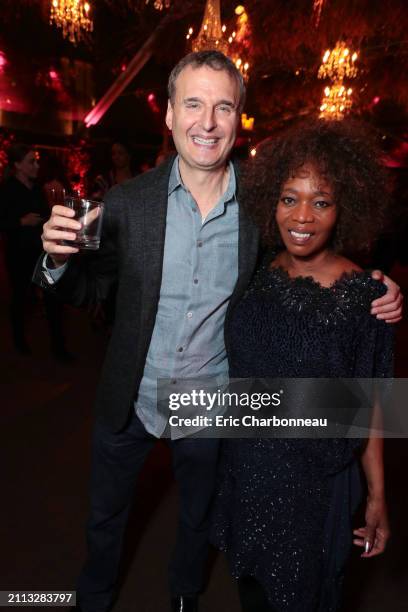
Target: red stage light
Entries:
(150, 97)
(376, 99)
(53, 75)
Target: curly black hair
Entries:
(345, 154)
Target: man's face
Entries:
(28, 166)
(204, 117)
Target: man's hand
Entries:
(60, 226)
(389, 306)
(31, 220)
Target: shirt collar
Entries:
(175, 181)
(175, 178)
(230, 193)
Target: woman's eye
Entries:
(322, 204)
(288, 201)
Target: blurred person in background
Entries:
(23, 210)
(55, 181)
(102, 313)
(120, 171)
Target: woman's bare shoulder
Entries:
(346, 266)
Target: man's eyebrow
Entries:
(224, 102)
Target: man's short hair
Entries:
(212, 59)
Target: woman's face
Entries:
(28, 166)
(120, 157)
(306, 213)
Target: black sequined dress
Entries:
(283, 508)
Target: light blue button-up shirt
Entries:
(200, 270)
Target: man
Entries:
(183, 252)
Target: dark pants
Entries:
(116, 462)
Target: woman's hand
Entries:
(374, 536)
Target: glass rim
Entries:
(79, 198)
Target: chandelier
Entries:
(336, 102)
(72, 16)
(160, 4)
(337, 64)
(211, 35)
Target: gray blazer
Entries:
(131, 255)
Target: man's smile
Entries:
(206, 142)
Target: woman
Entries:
(121, 170)
(284, 506)
(23, 210)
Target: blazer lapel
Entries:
(155, 200)
(248, 248)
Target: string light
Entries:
(73, 17)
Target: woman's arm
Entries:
(374, 535)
